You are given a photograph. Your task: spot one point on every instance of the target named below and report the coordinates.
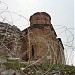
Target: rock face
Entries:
(39, 41)
(9, 40)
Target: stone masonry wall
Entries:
(9, 40)
(39, 41)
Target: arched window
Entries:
(32, 51)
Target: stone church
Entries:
(37, 42)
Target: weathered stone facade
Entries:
(42, 41)
(37, 42)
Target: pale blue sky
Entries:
(61, 11)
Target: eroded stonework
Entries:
(37, 42)
(10, 44)
(41, 40)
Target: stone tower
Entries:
(38, 42)
(40, 18)
(41, 42)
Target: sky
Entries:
(61, 12)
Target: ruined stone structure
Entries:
(37, 42)
(41, 40)
(10, 44)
